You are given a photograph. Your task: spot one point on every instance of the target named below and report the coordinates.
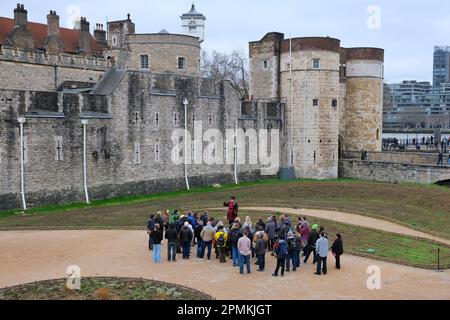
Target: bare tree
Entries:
(232, 67)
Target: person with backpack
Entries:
(244, 246)
(197, 233)
(293, 245)
(337, 248)
(312, 239)
(179, 225)
(185, 237)
(304, 229)
(150, 228)
(281, 252)
(220, 239)
(233, 238)
(270, 230)
(260, 223)
(207, 236)
(232, 210)
(171, 236)
(157, 237)
(174, 217)
(322, 253)
(260, 251)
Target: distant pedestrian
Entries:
(294, 247)
(337, 248)
(185, 236)
(281, 252)
(221, 243)
(270, 230)
(232, 210)
(440, 158)
(171, 236)
(312, 239)
(150, 228)
(260, 251)
(233, 238)
(207, 236)
(244, 247)
(197, 232)
(157, 236)
(322, 253)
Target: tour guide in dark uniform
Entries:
(232, 210)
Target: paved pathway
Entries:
(28, 256)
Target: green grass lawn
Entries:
(377, 244)
(421, 207)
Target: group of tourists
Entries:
(243, 242)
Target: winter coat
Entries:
(260, 248)
(197, 232)
(171, 235)
(207, 233)
(185, 234)
(157, 236)
(270, 230)
(337, 247)
(313, 237)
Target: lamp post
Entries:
(21, 121)
(85, 122)
(186, 103)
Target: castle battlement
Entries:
(52, 59)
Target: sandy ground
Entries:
(353, 219)
(28, 256)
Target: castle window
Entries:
(59, 149)
(334, 103)
(315, 102)
(210, 120)
(157, 119)
(157, 150)
(265, 64)
(144, 61)
(176, 120)
(193, 117)
(378, 134)
(316, 63)
(181, 63)
(136, 118)
(137, 153)
(25, 150)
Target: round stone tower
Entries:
(309, 82)
(364, 99)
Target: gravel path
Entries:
(352, 219)
(28, 256)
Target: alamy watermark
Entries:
(238, 147)
(374, 279)
(374, 19)
(73, 277)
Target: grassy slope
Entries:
(420, 207)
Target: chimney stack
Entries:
(53, 23)
(85, 37)
(53, 43)
(99, 33)
(20, 16)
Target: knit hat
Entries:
(315, 226)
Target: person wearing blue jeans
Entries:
(235, 254)
(206, 244)
(199, 249)
(157, 237)
(245, 252)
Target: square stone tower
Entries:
(193, 24)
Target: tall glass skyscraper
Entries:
(441, 66)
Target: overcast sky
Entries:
(407, 30)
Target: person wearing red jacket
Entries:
(232, 210)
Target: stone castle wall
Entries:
(21, 69)
(143, 107)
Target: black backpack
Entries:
(221, 240)
(234, 236)
(292, 244)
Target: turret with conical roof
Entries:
(193, 24)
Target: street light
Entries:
(21, 121)
(85, 122)
(185, 103)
